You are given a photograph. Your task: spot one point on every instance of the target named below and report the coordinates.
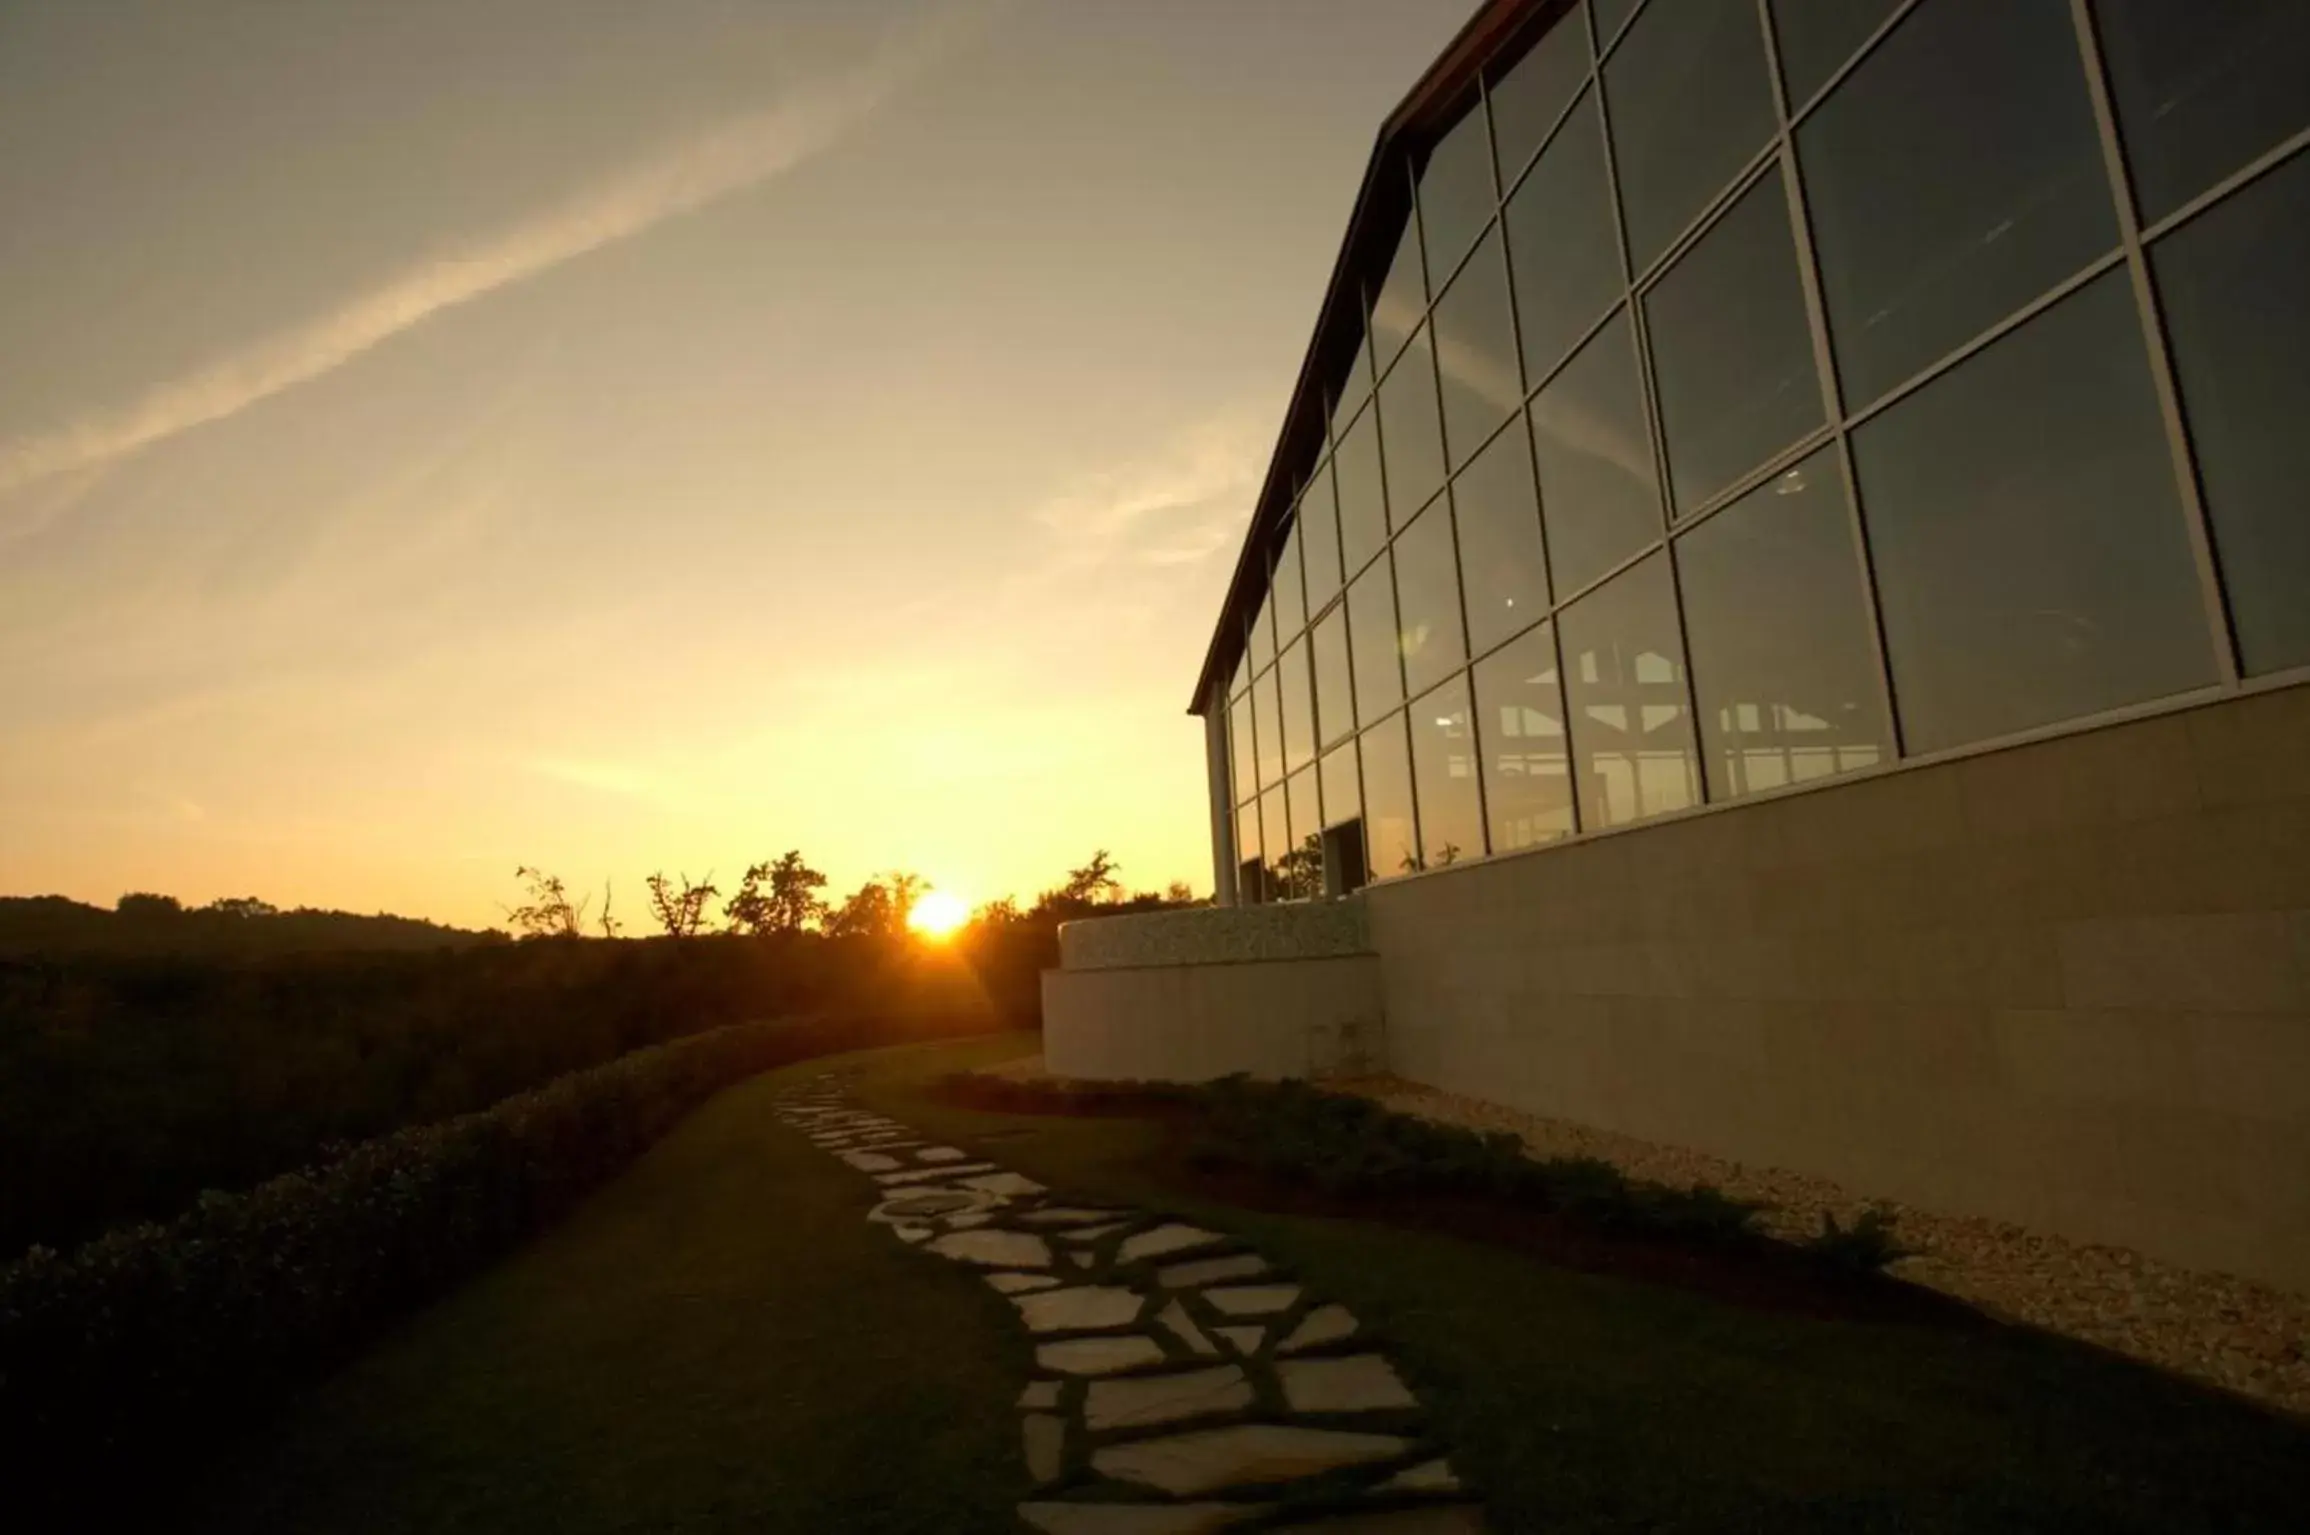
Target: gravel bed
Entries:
(2231, 1332)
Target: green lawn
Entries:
(718, 1341)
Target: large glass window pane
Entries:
(2203, 87)
(1953, 177)
(1319, 542)
(1732, 351)
(1611, 15)
(1289, 589)
(1267, 721)
(1476, 352)
(1342, 786)
(1690, 105)
(1428, 599)
(1391, 835)
(1625, 694)
(1250, 856)
(1520, 714)
(1261, 643)
(1371, 608)
(1561, 240)
(1298, 692)
(1275, 840)
(1817, 36)
(1239, 735)
(2239, 317)
(1402, 298)
(1242, 677)
(1303, 865)
(1597, 491)
(1411, 432)
(1335, 713)
(1527, 100)
(2027, 536)
(1444, 772)
(1363, 502)
(1456, 192)
(1503, 574)
(1355, 387)
(1778, 628)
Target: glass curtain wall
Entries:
(1756, 394)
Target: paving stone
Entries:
(1010, 1185)
(1014, 1284)
(1166, 1239)
(1174, 1317)
(968, 1220)
(1325, 1324)
(1142, 1400)
(1133, 1518)
(1093, 1233)
(871, 1161)
(911, 1233)
(1181, 1276)
(1207, 1460)
(942, 1154)
(1254, 1299)
(1098, 1356)
(925, 1203)
(1083, 1308)
(1043, 1396)
(1046, 1438)
(1435, 1519)
(995, 1249)
(1244, 1340)
(926, 1175)
(1428, 1476)
(1357, 1383)
(1083, 1260)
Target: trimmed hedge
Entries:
(137, 1349)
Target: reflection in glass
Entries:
(1624, 680)
(1298, 706)
(1391, 838)
(1597, 492)
(1411, 432)
(2203, 88)
(1242, 678)
(1355, 387)
(1302, 867)
(1527, 100)
(1610, 15)
(1502, 569)
(1561, 240)
(1318, 521)
(1342, 786)
(1732, 353)
(1520, 713)
(1456, 192)
(1261, 645)
(1267, 720)
(1953, 177)
(1444, 773)
(1690, 105)
(1476, 352)
(2028, 541)
(1401, 300)
(1817, 36)
(2239, 321)
(1363, 504)
(1250, 857)
(1372, 640)
(1240, 739)
(1775, 617)
(1290, 592)
(1428, 599)
(1275, 841)
(1335, 713)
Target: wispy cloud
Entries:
(739, 153)
(1187, 498)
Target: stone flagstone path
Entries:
(1183, 1383)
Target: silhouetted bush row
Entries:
(141, 1345)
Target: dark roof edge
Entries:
(1453, 71)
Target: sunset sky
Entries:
(448, 434)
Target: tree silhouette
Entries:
(777, 897)
(548, 912)
(1093, 882)
(867, 913)
(1299, 873)
(681, 911)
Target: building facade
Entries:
(1787, 574)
